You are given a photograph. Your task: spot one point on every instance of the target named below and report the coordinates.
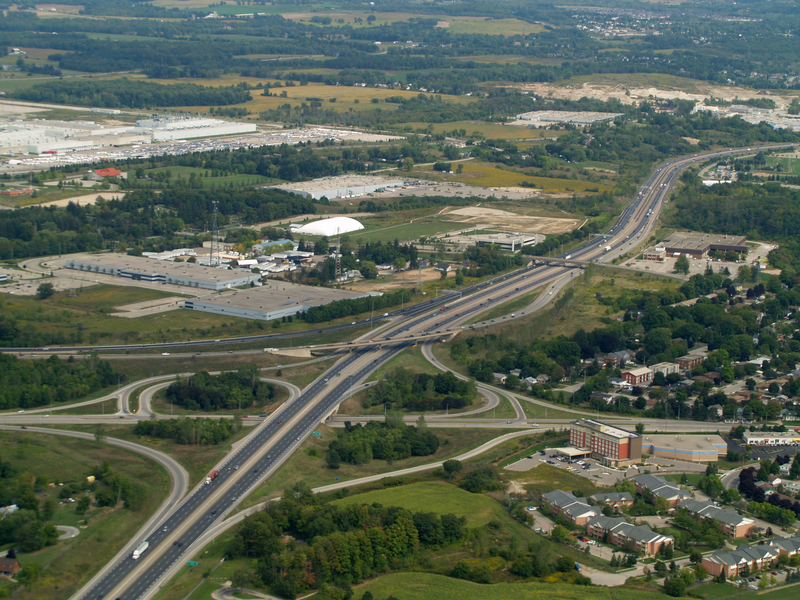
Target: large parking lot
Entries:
(586, 467)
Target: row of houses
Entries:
(749, 559)
(617, 531)
(659, 487)
(731, 522)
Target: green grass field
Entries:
(402, 231)
(433, 496)
(424, 586)
(789, 166)
(485, 175)
(209, 182)
(57, 459)
(546, 478)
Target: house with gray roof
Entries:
(613, 499)
(564, 502)
(734, 563)
(731, 522)
(660, 488)
(789, 546)
(618, 531)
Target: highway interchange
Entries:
(178, 532)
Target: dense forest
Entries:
(420, 392)
(35, 383)
(390, 441)
(231, 390)
(124, 93)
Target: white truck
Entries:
(140, 549)
(608, 249)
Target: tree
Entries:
(408, 164)
(640, 428)
(675, 587)
(661, 504)
(696, 557)
(459, 277)
(100, 434)
(451, 467)
(45, 290)
(83, 505)
(700, 572)
(682, 266)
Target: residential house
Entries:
(619, 532)
(613, 499)
(619, 383)
(575, 510)
(543, 378)
(785, 469)
(616, 359)
(667, 368)
(731, 522)
(442, 266)
(640, 376)
(9, 567)
(660, 488)
(791, 487)
(531, 381)
(715, 411)
(752, 558)
(789, 546)
(500, 378)
(607, 398)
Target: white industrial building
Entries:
(344, 186)
(162, 129)
(144, 269)
(329, 227)
(272, 300)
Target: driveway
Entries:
(67, 532)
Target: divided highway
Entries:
(272, 442)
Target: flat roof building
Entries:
(699, 244)
(272, 300)
(691, 448)
(771, 438)
(638, 376)
(344, 186)
(153, 271)
(609, 444)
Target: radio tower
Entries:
(214, 237)
(338, 270)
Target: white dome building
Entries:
(330, 227)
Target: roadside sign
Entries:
(316, 433)
(192, 563)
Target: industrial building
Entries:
(690, 448)
(606, 443)
(272, 300)
(545, 118)
(161, 129)
(151, 271)
(344, 186)
(699, 244)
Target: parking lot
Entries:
(585, 467)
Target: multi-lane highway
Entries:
(277, 437)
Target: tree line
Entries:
(230, 390)
(186, 431)
(392, 440)
(34, 383)
(421, 392)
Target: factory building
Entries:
(609, 444)
(151, 271)
(272, 300)
(161, 129)
(699, 244)
(345, 186)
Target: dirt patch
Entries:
(692, 141)
(86, 200)
(514, 487)
(506, 221)
(397, 280)
(444, 24)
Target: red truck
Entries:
(211, 476)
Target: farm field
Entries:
(56, 459)
(486, 26)
(425, 586)
(487, 130)
(433, 496)
(209, 182)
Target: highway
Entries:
(272, 441)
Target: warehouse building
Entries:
(611, 445)
(690, 448)
(161, 129)
(272, 300)
(699, 244)
(151, 271)
(345, 186)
